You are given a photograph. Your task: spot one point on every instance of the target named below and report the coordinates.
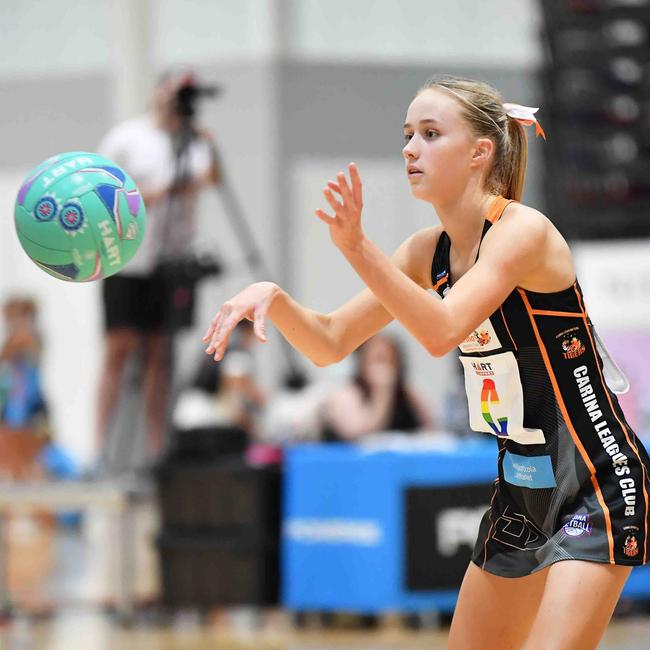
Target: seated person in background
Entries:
(378, 398)
(24, 428)
(223, 394)
(292, 413)
(22, 405)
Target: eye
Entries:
(407, 136)
(431, 133)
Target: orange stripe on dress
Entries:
(625, 430)
(546, 312)
(440, 282)
(496, 209)
(574, 435)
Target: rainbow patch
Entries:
(489, 396)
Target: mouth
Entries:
(413, 172)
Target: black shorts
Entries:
(583, 517)
(134, 302)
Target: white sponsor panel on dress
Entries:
(495, 398)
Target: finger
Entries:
(213, 325)
(214, 330)
(211, 332)
(324, 217)
(355, 177)
(346, 193)
(222, 336)
(223, 329)
(221, 348)
(334, 204)
(207, 334)
(334, 186)
(259, 324)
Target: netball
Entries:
(79, 217)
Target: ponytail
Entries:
(515, 162)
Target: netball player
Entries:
(569, 513)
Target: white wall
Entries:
(73, 37)
(615, 272)
(199, 31)
(419, 31)
(39, 37)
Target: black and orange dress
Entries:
(572, 475)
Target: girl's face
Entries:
(440, 149)
(378, 350)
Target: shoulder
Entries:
(521, 235)
(124, 133)
(520, 218)
(138, 124)
(415, 254)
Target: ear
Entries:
(483, 151)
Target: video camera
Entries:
(189, 93)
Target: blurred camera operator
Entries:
(171, 160)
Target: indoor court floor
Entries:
(84, 631)
(65, 575)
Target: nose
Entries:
(409, 151)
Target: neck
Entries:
(463, 216)
(167, 121)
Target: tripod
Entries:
(180, 274)
(253, 258)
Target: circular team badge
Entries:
(45, 209)
(578, 525)
(72, 217)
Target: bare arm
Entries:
(422, 410)
(352, 417)
(511, 253)
(323, 338)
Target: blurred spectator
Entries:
(171, 160)
(378, 397)
(455, 416)
(293, 412)
(24, 428)
(223, 394)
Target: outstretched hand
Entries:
(345, 224)
(252, 303)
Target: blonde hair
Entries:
(482, 108)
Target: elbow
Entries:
(436, 350)
(439, 347)
(321, 362)
(325, 360)
(328, 356)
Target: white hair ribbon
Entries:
(525, 115)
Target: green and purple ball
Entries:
(79, 216)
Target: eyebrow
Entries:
(427, 121)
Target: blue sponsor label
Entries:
(528, 471)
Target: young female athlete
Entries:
(569, 513)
